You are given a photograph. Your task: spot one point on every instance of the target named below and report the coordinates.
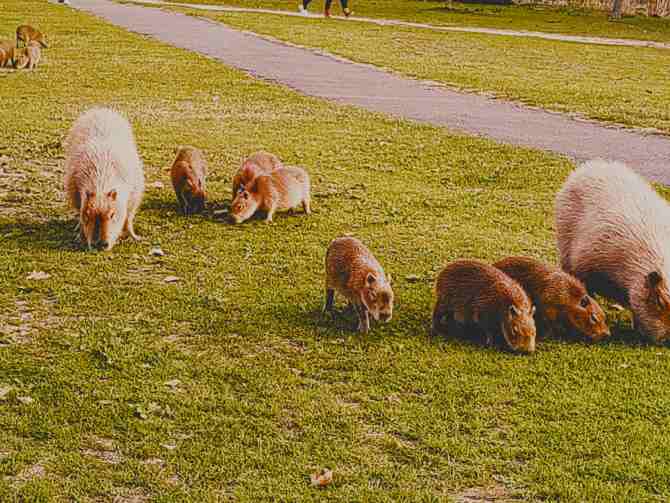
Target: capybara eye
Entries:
(584, 302)
(594, 319)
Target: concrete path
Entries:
(345, 82)
(394, 22)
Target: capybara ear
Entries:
(514, 311)
(371, 279)
(112, 194)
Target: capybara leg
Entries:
(363, 319)
(306, 205)
(330, 300)
(437, 327)
(270, 214)
(130, 228)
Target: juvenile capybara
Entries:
(188, 174)
(561, 300)
(474, 293)
(104, 176)
(25, 33)
(29, 56)
(282, 189)
(258, 163)
(613, 233)
(7, 53)
(353, 271)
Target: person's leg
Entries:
(303, 7)
(326, 10)
(345, 7)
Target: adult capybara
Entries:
(613, 233)
(25, 33)
(188, 174)
(104, 176)
(28, 56)
(354, 272)
(561, 300)
(258, 163)
(472, 292)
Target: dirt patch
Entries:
(496, 493)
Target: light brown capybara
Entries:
(474, 293)
(354, 272)
(104, 176)
(282, 189)
(258, 163)
(7, 53)
(29, 56)
(188, 174)
(613, 233)
(25, 33)
(562, 303)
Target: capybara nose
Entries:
(385, 317)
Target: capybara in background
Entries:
(104, 177)
(561, 300)
(7, 53)
(474, 293)
(258, 163)
(282, 189)
(353, 271)
(26, 33)
(613, 233)
(188, 173)
(28, 56)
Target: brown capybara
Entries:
(29, 56)
(26, 33)
(474, 293)
(258, 163)
(7, 53)
(353, 271)
(104, 176)
(282, 189)
(188, 174)
(561, 300)
(613, 233)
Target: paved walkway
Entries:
(323, 76)
(394, 22)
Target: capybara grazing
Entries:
(26, 33)
(104, 177)
(188, 173)
(613, 233)
(258, 163)
(353, 271)
(28, 56)
(474, 293)
(562, 302)
(7, 53)
(282, 189)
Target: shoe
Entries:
(347, 13)
(326, 13)
(303, 11)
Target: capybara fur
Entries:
(29, 56)
(7, 53)
(26, 33)
(613, 233)
(282, 189)
(104, 177)
(472, 293)
(353, 271)
(563, 306)
(258, 163)
(188, 174)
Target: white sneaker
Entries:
(303, 11)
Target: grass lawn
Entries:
(228, 385)
(511, 17)
(593, 81)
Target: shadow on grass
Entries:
(49, 235)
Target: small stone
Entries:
(38, 275)
(412, 278)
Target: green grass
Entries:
(597, 82)
(268, 391)
(512, 17)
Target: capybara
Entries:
(188, 174)
(613, 233)
(282, 189)
(353, 271)
(28, 56)
(561, 300)
(258, 163)
(7, 53)
(26, 33)
(474, 293)
(104, 176)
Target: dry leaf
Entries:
(173, 383)
(158, 185)
(38, 275)
(25, 400)
(170, 279)
(322, 478)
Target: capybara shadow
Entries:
(49, 235)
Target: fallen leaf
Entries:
(322, 478)
(140, 412)
(220, 212)
(25, 400)
(158, 185)
(170, 279)
(169, 447)
(156, 251)
(173, 383)
(38, 275)
(4, 391)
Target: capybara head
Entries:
(102, 218)
(244, 205)
(377, 297)
(518, 328)
(22, 59)
(586, 316)
(651, 304)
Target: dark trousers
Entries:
(343, 3)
